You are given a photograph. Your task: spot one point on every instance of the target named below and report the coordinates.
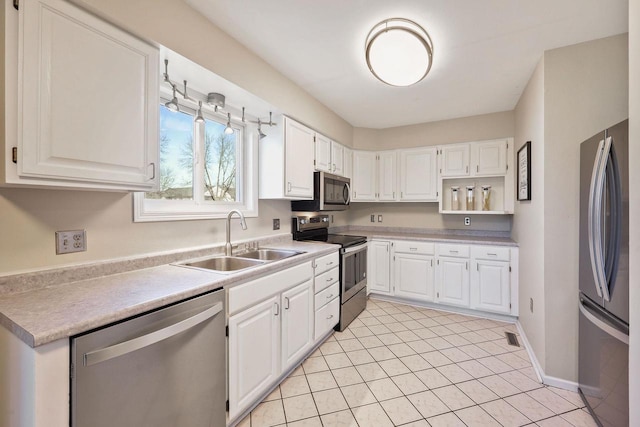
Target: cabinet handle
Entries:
(467, 169)
(466, 265)
(330, 263)
(288, 186)
(277, 307)
(153, 169)
(313, 264)
(330, 317)
(334, 167)
(329, 279)
(477, 267)
(490, 254)
(330, 296)
(431, 263)
(477, 168)
(413, 249)
(453, 252)
(286, 303)
(394, 194)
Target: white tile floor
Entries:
(398, 365)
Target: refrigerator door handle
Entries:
(595, 216)
(610, 330)
(612, 256)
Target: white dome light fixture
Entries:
(399, 52)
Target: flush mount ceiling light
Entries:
(399, 52)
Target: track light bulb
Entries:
(199, 118)
(228, 130)
(173, 104)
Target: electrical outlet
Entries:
(373, 218)
(71, 241)
(379, 218)
(531, 304)
(467, 220)
(276, 223)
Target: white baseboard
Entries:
(542, 377)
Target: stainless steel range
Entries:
(353, 263)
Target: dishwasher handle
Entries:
(97, 356)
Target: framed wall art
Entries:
(524, 172)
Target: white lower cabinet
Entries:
(254, 362)
(475, 277)
(491, 280)
(378, 264)
(453, 281)
(270, 329)
(413, 266)
(297, 323)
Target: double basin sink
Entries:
(254, 258)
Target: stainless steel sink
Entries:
(225, 263)
(268, 254)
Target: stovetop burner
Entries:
(316, 228)
(345, 240)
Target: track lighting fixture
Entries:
(260, 133)
(173, 104)
(199, 118)
(228, 130)
(214, 101)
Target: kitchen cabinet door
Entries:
(490, 157)
(364, 182)
(337, 158)
(418, 175)
(490, 286)
(254, 349)
(299, 154)
(89, 101)
(414, 276)
(454, 160)
(453, 281)
(379, 267)
(387, 178)
(323, 153)
(348, 163)
(297, 322)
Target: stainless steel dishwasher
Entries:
(166, 368)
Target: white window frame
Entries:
(150, 210)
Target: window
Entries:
(204, 172)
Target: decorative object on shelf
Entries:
(486, 197)
(455, 198)
(399, 52)
(215, 101)
(524, 172)
(471, 198)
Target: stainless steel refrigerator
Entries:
(603, 365)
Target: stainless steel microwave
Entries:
(330, 193)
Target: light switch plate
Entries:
(71, 241)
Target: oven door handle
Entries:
(352, 249)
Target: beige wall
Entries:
(586, 91)
(634, 210)
(528, 221)
(465, 129)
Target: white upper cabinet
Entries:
(418, 175)
(455, 160)
(490, 157)
(348, 162)
(387, 175)
(286, 162)
(364, 182)
(87, 102)
(298, 160)
(323, 153)
(337, 158)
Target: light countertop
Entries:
(47, 314)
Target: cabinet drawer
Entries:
(326, 279)
(497, 253)
(327, 262)
(424, 248)
(327, 317)
(323, 297)
(458, 251)
(252, 292)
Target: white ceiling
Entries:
(484, 50)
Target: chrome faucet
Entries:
(227, 247)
